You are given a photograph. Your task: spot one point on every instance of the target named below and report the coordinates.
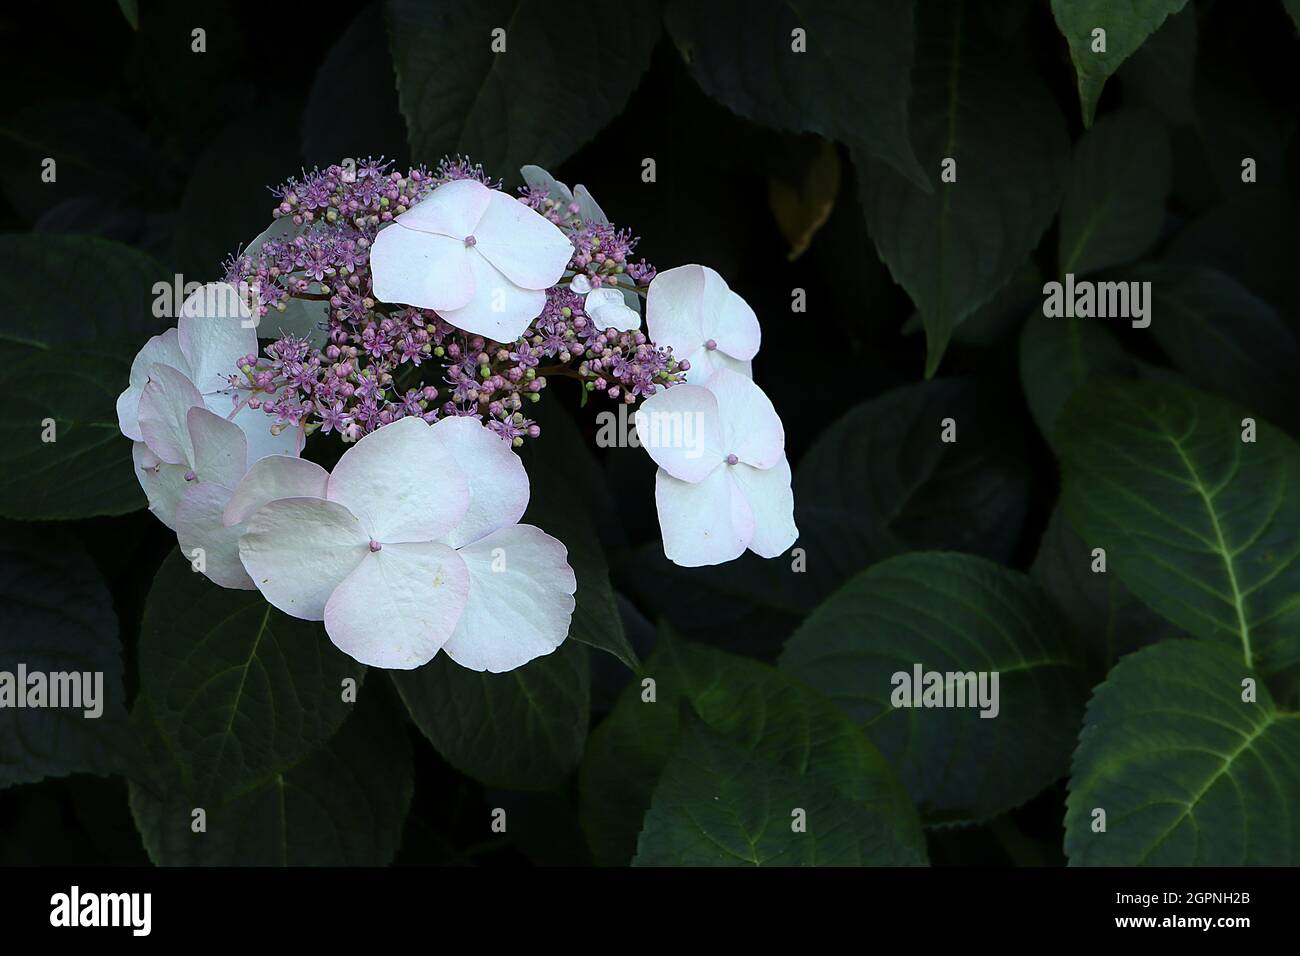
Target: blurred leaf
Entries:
(239, 690)
(1225, 339)
(1197, 523)
(1058, 355)
(1114, 205)
(1293, 8)
(368, 98)
(1105, 615)
(58, 618)
(87, 469)
(1188, 773)
(949, 613)
(458, 96)
(1161, 73)
(50, 303)
(521, 730)
(131, 11)
(851, 84)
(1228, 128)
(999, 316)
(773, 721)
(718, 803)
(954, 248)
(343, 804)
(1126, 26)
(97, 152)
(227, 200)
(802, 207)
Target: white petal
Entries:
(704, 523)
(164, 349)
(704, 362)
(399, 606)
(453, 209)
(672, 309)
(520, 600)
(167, 398)
(256, 425)
(526, 247)
(420, 269)
(751, 429)
(220, 449)
(678, 427)
(608, 310)
(199, 525)
(216, 331)
(497, 482)
(580, 284)
(271, 478)
(499, 309)
(164, 485)
(538, 178)
(588, 208)
(298, 550)
(728, 320)
(401, 484)
(768, 493)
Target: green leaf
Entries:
(567, 494)
(1224, 339)
(459, 96)
(1197, 523)
(131, 11)
(1293, 7)
(239, 690)
(1114, 205)
(1161, 73)
(343, 804)
(954, 248)
(86, 470)
(1058, 355)
(58, 618)
(960, 614)
(1187, 772)
(719, 803)
(851, 84)
(797, 736)
(1106, 618)
(368, 97)
(50, 304)
(1126, 26)
(521, 730)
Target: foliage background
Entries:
(816, 172)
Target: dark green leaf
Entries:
(1114, 205)
(1160, 74)
(781, 724)
(344, 804)
(239, 690)
(954, 248)
(538, 101)
(1126, 26)
(521, 730)
(58, 619)
(851, 83)
(718, 803)
(1197, 523)
(1187, 772)
(950, 613)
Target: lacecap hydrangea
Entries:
(415, 318)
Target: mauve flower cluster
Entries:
(360, 371)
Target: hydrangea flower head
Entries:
(691, 310)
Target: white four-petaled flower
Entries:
(723, 483)
(403, 555)
(691, 310)
(480, 259)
